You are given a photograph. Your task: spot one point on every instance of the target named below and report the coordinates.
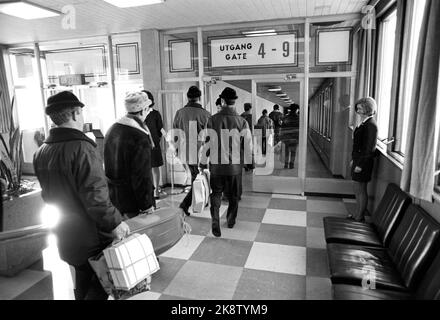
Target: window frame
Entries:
(403, 82)
(378, 46)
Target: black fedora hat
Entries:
(229, 94)
(62, 100)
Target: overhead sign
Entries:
(253, 51)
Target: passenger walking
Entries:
(226, 166)
(69, 169)
(218, 104)
(364, 149)
(265, 123)
(289, 135)
(154, 123)
(127, 157)
(247, 115)
(193, 114)
(277, 117)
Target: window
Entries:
(412, 41)
(385, 54)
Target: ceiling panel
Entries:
(97, 17)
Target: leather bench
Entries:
(376, 234)
(428, 289)
(398, 267)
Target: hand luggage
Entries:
(164, 227)
(124, 269)
(200, 192)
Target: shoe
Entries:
(216, 231)
(291, 166)
(231, 225)
(350, 217)
(286, 166)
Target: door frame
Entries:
(283, 185)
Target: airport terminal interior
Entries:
(294, 237)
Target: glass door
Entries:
(330, 124)
(278, 136)
(176, 173)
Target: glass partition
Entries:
(81, 66)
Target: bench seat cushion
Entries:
(352, 264)
(340, 230)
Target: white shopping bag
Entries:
(131, 261)
(200, 192)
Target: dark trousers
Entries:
(87, 285)
(231, 186)
(290, 151)
(186, 203)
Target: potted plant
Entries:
(21, 237)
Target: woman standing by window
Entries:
(364, 149)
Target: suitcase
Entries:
(200, 192)
(164, 227)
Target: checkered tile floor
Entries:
(275, 251)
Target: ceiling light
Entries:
(285, 98)
(281, 94)
(261, 34)
(275, 89)
(26, 10)
(132, 3)
(259, 31)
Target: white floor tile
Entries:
(184, 248)
(284, 217)
(277, 258)
(243, 230)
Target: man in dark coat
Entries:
(193, 115)
(226, 163)
(289, 135)
(277, 118)
(127, 158)
(72, 179)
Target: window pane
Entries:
(416, 24)
(385, 73)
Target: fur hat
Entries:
(136, 101)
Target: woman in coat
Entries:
(364, 149)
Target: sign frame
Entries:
(350, 47)
(134, 45)
(293, 65)
(170, 55)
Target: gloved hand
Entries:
(121, 231)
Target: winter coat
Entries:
(229, 119)
(71, 175)
(192, 112)
(127, 159)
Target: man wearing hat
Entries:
(193, 115)
(226, 166)
(127, 158)
(72, 179)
